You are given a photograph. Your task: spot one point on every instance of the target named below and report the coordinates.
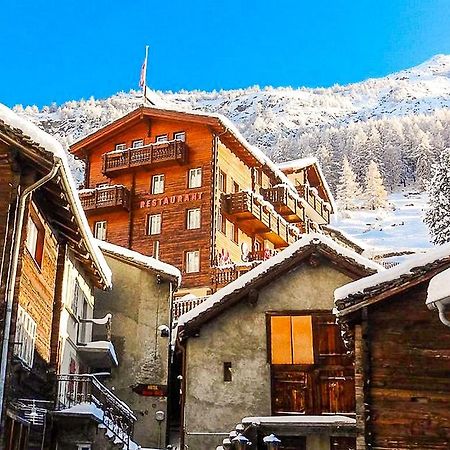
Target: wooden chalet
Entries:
(187, 188)
(402, 355)
(267, 346)
(50, 267)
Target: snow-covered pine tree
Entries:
(347, 190)
(374, 193)
(437, 216)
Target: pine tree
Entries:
(348, 190)
(437, 216)
(375, 193)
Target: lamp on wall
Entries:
(272, 442)
(240, 442)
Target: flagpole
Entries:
(144, 89)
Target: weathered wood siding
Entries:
(409, 388)
(37, 289)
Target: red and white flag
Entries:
(142, 79)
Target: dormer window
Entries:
(161, 138)
(121, 146)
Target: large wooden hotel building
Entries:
(187, 188)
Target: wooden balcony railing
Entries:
(315, 202)
(255, 216)
(182, 306)
(105, 197)
(220, 277)
(148, 155)
(285, 203)
(261, 255)
(93, 397)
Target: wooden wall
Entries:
(409, 367)
(174, 239)
(37, 288)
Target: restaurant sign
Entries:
(170, 200)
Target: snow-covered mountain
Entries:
(401, 121)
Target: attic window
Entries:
(35, 240)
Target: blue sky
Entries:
(53, 51)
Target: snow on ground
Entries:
(399, 228)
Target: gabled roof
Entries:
(218, 123)
(42, 151)
(416, 269)
(138, 259)
(309, 163)
(344, 259)
(439, 289)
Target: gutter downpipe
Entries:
(12, 273)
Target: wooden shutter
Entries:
(302, 340)
(280, 332)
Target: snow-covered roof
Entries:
(313, 239)
(83, 409)
(298, 164)
(43, 141)
(354, 293)
(299, 419)
(302, 163)
(147, 262)
(439, 288)
(102, 345)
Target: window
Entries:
(154, 224)
(102, 185)
(222, 181)
(258, 176)
(195, 178)
(155, 249)
(121, 146)
(180, 136)
(291, 340)
(227, 372)
(192, 262)
(158, 184)
(77, 297)
(25, 337)
(161, 138)
(84, 447)
(193, 219)
(235, 233)
(221, 223)
(138, 143)
(35, 240)
(100, 230)
(236, 187)
(83, 335)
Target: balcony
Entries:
(315, 207)
(85, 397)
(185, 304)
(285, 203)
(147, 156)
(221, 276)
(255, 216)
(107, 197)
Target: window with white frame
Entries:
(158, 184)
(138, 143)
(195, 178)
(180, 136)
(77, 297)
(155, 249)
(35, 240)
(161, 138)
(100, 230)
(154, 224)
(192, 262)
(25, 337)
(193, 219)
(121, 146)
